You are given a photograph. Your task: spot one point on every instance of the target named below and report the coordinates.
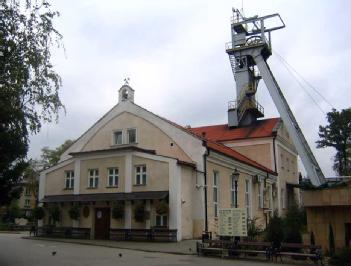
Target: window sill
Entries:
(111, 186)
(124, 145)
(92, 187)
(66, 188)
(139, 185)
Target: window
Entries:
(140, 175)
(93, 178)
(247, 198)
(161, 220)
(234, 192)
(260, 194)
(118, 137)
(215, 193)
(131, 135)
(112, 179)
(27, 203)
(69, 179)
(27, 191)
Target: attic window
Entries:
(131, 135)
(118, 137)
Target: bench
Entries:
(297, 250)
(64, 232)
(154, 234)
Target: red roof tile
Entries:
(261, 129)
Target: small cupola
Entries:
(126, 93)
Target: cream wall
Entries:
(157, 175)
(102, 164)
(148, 137)
(260, 153)
(188, 188)
(55, 181)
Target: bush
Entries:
(161, 207)
(252, 229)
(118, 211)
(38, 213)
(294, 222)
(341, 258)
(275, 230)
(74, 212)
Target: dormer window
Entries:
(118, 137)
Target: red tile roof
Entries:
(261, 129)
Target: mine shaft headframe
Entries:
(252, 31)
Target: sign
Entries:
(232, 222)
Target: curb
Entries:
(105, 245)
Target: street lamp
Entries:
(235, 178)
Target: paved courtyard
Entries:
(17, 251)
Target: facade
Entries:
(27, 200)
(137, 159)
(329, 207)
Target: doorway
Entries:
(102, 223)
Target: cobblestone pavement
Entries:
(14, 250)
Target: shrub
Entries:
(275, 230)
(74, 212)
(118, 211)
(252, 229)
(161, 207)
(294, 222)
(341, 257)
(331, 241)
(38, 213)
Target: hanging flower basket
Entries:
(74, 212)
(161, 207)
(140, 213)
(118, 211)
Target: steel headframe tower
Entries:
(248, 51)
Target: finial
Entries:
(126, 81)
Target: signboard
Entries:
(232, 222)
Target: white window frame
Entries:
(114, 142)
(127, 136)
(69, 179)
(248, 198)
(94, 175)
(114, 176)
(215, 192)
(260, 193)
(27, 202)
(233, 197)
(163, 220)
(140, 175)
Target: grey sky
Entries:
(173, 52)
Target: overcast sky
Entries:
(174, 54)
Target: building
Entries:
(28, 198)
(138, 159)
(329, 207)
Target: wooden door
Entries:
(102, 223)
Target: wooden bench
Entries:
(298, 250)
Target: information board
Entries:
(232, 222)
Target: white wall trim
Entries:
(76, 177)
(175, 212)
(128, 180)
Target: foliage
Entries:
(252, 229)
(38, 213)
(55, 214)
(29, 84)
(161, 207)
(294, 223)
(341, 258)
(74, 212)
(331, 241)
(312, 239)
(140, 213)
(13, 211)
(275, 230)
(51, 157)
(337, 134)
(118, 211)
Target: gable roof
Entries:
(261, 129)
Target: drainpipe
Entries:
(274, 155)
(207, 152)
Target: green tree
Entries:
(294, 223)
(29, 85)
(51, 157)
(275, 230)
(337, 134)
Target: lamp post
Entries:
(235, 177)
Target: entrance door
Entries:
(102, 223)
